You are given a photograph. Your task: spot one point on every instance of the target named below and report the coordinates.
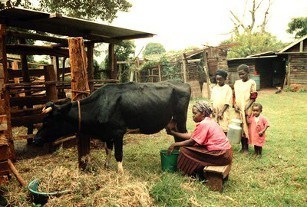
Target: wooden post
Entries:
(51, 91)
(208, 83)
(120, 69)
(90, 65)
(26, 79)
(184, 68)
(56, 65)
(24, 64)
(111, 60)
(159, 70)
(137, 64)
(15, 67)
(6, 93)
(9, 149)
(80, 89)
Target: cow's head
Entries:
(55, 124)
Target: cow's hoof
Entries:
(120, 168)
(120, 171)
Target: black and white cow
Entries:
(112, 109)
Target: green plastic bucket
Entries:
(169, 162)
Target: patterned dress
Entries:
(221, 95)
(243, 92)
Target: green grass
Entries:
(276, 179)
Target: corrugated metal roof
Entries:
(250, 58)
(294, 43)
(66, 26)
(268, 53)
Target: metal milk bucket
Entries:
(235, 131)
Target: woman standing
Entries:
(245, 95)
(221, 99)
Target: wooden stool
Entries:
(215, 175)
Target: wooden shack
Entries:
(296, 54)
(287, 67)
(23, 100)
(200, 67)
(267, 69)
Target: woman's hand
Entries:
(170, 149)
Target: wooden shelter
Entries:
(296, 74)
(22, 100)
(267, 69)
(288, 67)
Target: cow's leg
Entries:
(118, 145)
(180, 116)
(108, 147)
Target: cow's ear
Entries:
(49, 104)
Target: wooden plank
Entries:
(33, 36)
(223, 170)
(104, 81)
(31, 91)
(16, 173)
(26, 112)
(26, 120)
(22, 49)
(18, 73)
(23, 101)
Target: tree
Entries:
(252, 38)
(248, 44)
(103, 9)
(298, 26)
(123, 52)
(239, 24)
(153, 49)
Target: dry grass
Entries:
(95, 186)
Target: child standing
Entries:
(257, 125)
(221, 99)
(245, 95)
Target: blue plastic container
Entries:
(41, 197)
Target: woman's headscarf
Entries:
(203, 107)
